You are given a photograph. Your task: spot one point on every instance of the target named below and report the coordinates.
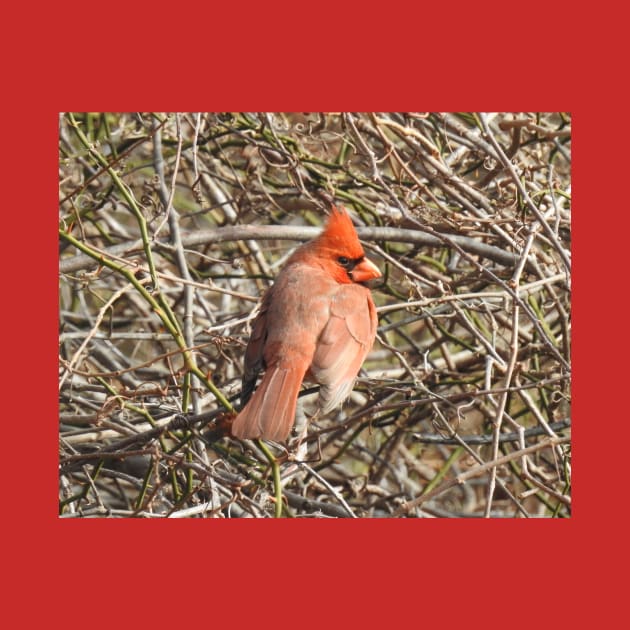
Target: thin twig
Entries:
(476, 471)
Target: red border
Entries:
(379, 573)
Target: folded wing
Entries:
(343, 344)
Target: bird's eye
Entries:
(343, 261)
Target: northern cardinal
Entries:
(316, 323)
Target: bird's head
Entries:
(338, 245)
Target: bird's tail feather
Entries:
(270, 412)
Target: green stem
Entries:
(447, 466)
(172, 328)
(124, 191)
(159, 305)
(275, 469)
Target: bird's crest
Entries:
(340, 234)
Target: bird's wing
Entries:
(343, 344)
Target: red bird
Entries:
(316, 323)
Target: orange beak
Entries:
(364, 271)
